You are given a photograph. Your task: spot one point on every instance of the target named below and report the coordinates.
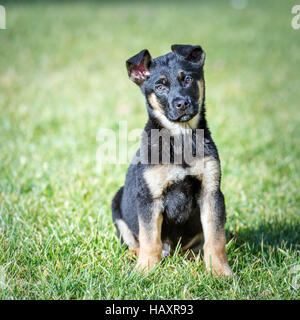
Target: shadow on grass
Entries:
(272, 234)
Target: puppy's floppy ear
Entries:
(138, 67)
(191, 53)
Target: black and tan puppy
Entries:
(163, 203)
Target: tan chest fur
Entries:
(159, 177)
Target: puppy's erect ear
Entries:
(191, 53)
(138, 67)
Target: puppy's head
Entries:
(173, 84)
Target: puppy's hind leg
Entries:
(122, 228)
(127, 236)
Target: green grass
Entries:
(63, 77)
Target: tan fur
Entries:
(211, 174)
(197, 168)
(135, 251)
(196, 238)
(215, 255)
(164, 79)
(159, 177)
(150, 239)
(200, 84)
(180, 75)
(214, 238)
(126, 234)
(154, 102)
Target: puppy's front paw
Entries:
(218, 267)
(147, 263)
(220, 270)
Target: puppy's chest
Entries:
(159, 177)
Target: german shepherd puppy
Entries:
(163, 203)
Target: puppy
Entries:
(164, 202)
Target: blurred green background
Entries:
(63, 77)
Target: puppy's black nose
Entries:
(181, 103)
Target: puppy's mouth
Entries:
(185, 117)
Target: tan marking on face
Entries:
(164, 79)
(150, 249)
(126, 234)
(200, 84)
(180, 75)
(174, 127)
(154, 102)
(194, 121)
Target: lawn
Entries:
(63, 78)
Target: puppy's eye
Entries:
(160, 87)
(188, 79)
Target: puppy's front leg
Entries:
(150, 238)
(212, 209)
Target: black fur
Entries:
(181, 213)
